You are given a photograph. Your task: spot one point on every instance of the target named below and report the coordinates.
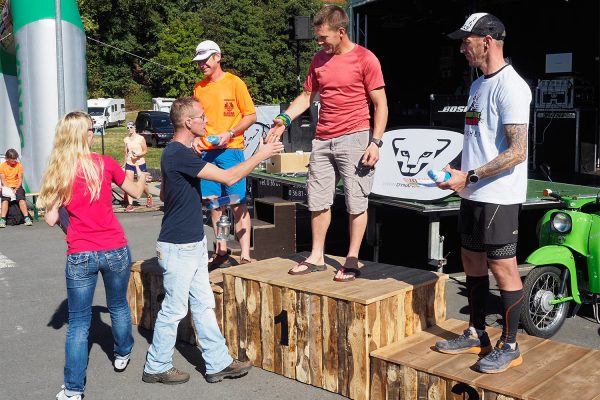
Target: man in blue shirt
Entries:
(182, 254)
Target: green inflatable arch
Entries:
(37, 80)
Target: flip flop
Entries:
(310, 267)
(354, 271)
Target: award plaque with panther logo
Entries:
(407, 155)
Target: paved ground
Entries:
(33, 325)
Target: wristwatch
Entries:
(378, 142)
(472, 177)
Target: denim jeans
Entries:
(81, 271)
(185, 278)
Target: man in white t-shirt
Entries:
(492, 185)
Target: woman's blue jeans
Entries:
(81, 271)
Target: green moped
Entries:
(566, 269)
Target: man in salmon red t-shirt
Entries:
(347, 77)
(230, 111)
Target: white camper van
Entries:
(107, 112)
(162, 103)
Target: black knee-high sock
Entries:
(477, 290)
(513, 302)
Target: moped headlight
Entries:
(561, 222)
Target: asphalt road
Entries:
(33, 324)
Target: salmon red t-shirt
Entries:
(93, 225)
(344, 82)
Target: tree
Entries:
(254, 38)
(143, 48)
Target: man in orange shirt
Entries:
(11, 176)
(230, 111)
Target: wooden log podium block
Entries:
(318, 331)
(410, 369)
(145, 294)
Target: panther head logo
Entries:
(414, 154)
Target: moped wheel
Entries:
(538, 316)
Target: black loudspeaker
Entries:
(299, 135)
(565, 140)
(302, 28)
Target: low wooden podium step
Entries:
(410, 369)
(273, 229)
(145, 293)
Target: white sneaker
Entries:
(62, 396)
(121, 363)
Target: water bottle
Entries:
(212, 139)
(223, 201)
(439, 176)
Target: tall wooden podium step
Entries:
(410, 369)
(318, 331)
(273, 229)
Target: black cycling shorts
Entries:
(490, 228)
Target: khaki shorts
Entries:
(332, 159)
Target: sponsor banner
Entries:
(407, 155)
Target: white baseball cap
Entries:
(206, 49)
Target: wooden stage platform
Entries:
(370, 338)
(318, 331)
(410, 369)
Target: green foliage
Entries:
(138, 97)
(155, 43)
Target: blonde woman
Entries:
(135, 149)
(80, 182)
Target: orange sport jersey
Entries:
(225, 103)
(11, 174)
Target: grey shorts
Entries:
(332, 159)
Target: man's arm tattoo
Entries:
(516, 136)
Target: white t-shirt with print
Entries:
(500, 99)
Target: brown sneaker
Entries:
(172, 376)
(236, 369)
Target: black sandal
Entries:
(310, 267)
(354, 271)
(219, 261)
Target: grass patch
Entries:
(115, 147)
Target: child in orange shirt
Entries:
(11, 176)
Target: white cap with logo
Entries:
(206, 49)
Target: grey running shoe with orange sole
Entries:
(501, 358)
(468, 342)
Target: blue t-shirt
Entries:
(182, 221)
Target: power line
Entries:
(150, 61)
(1, 39)
(138, 56)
